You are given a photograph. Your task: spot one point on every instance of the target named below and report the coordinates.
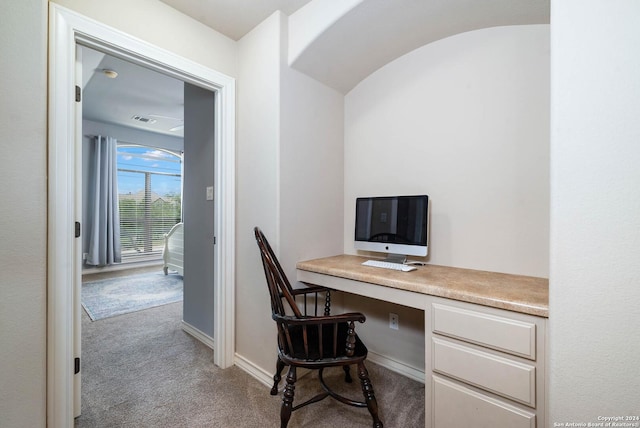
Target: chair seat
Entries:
(299, 355)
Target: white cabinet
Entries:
(455, 405)
(475, 325)
(485, 366)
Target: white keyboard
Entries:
(388, 265)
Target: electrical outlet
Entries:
(393, 321)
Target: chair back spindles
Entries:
(282, 293)
(277, 280)
(312, 341)
(351, 340)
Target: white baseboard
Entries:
(255, 371)
(389, 363)
(397, 366)
(202, 337)
(264, 376)
(88, 270)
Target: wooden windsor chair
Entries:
(312, 341)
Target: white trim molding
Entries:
(198, 334)
(66, 29)
(397, 366)
(265, 377)
(257, 372)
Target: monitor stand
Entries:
(396, 258)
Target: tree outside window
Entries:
(149, 191)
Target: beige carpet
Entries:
(142, 370)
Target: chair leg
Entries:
(287, 398)
(347, 375)
(369, 397)
(277, 376)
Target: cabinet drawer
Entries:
(457, 406)
(496, 332)
(502, 376)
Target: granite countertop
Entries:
(524, 294)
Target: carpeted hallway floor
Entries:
(142, 370)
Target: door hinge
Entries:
(76, 365)
(78, 94)
(77, 229)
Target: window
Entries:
(150, 199)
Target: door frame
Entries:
(66, 29)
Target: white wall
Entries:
(258, 178)
(132, 135)
(311, 167)
(165, 27)
(289, 177)
(466, 121)
(311, 20)
(595, 211)
(23, 127)
(23, 238)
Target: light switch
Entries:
(209, 193)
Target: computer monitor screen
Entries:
(397, 225)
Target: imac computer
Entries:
(396, 225)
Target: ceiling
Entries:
(342, 51)
(234, 18)
(138, 97)
(138, 91)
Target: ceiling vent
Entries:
(143, 119)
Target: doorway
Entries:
(131, 175)
(137, 115)
(67, 29)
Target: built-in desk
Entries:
(485, 336)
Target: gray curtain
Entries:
(102, 205)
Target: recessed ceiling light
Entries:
(111, 74)
(143, 119)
